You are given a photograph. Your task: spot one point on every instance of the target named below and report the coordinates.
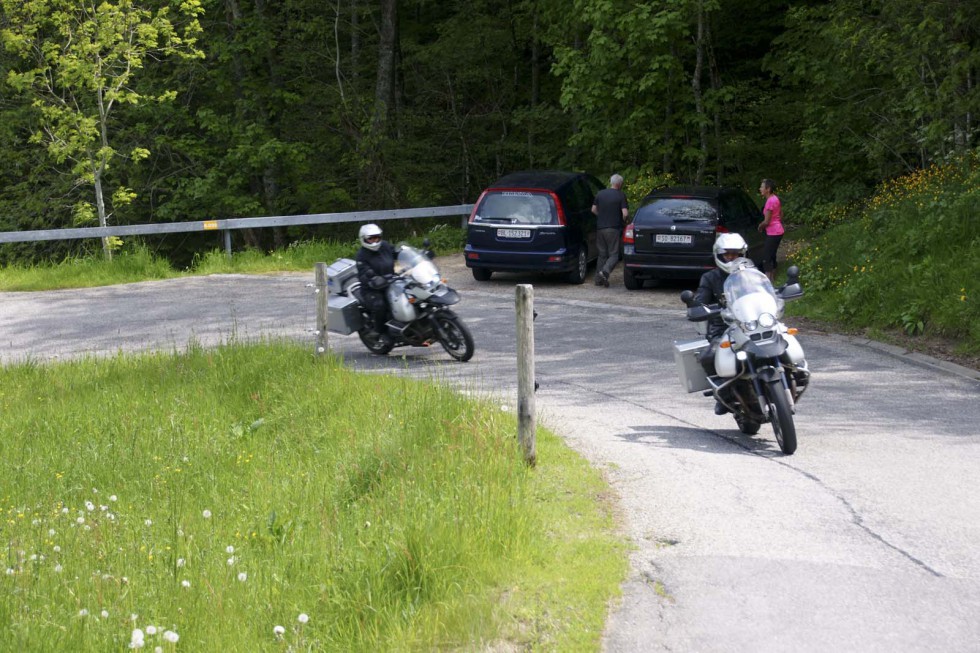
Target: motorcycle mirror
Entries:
(791, 291)
(687, 296)
(792, 275)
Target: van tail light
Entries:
(560, 208)
(628, 235)
(720, 229)
(475, 207)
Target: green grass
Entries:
(136, 263)
(904, 260)
(220, 493)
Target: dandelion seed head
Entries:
(58, 569)
(105, 614)
(229, 549)
(83, 612)
(206, 514)
(242, 577)
(303, 618)
(171, 636)
(89, 506)
(278, 631)
(151, 630)
(181, 562)
(56, 548)
(185, 583)
(80, 520)
(113, 498)
(231, 561)
(51, 532)
(136, 638)
(149, 522)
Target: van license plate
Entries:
(674, 238)
(513, 233)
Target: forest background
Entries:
(142, 111)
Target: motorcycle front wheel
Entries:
(781, 416)
(454, 337)
(375, 343)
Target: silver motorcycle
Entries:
(419, 301)
(761, 371)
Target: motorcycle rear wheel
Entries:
(781, 416)
(455, 338)
(375, 343)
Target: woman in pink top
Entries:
(772, 226)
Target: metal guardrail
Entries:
(227, 225)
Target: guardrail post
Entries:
(526, 426)
(320, 270)
(227, 235)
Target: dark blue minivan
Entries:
(534, 221)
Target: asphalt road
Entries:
(867, 539)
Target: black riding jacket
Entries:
(711, 290)
(373, 267)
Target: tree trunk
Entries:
(698, 100)
(385, 83)
(716, 106)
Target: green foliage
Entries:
(77, 61)
(903, 259)
(221, 493)
(888, 85)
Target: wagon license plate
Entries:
(513, 233)
(674, 238)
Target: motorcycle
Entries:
(761, 371)
(419, 301)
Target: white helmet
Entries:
(368, 232)
(729, 243)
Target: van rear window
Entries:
(516, 207)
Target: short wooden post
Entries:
(526, 426)
(320, 269)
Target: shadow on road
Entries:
(686, 437)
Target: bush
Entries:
(904, 259)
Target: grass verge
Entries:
(250, 498)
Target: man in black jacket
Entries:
(375, 266)
(728, 248)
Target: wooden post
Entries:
(320, 269)
(526, 426)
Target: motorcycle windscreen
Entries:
(750, 294)
(417, 265)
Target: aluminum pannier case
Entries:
(343, 315)
(691, 373)
(340, 274)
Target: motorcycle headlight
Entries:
(767, 320)
(751, 325)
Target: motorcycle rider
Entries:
(728, 248)
(375, 267)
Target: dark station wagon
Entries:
(534, 221)
(674, 229)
